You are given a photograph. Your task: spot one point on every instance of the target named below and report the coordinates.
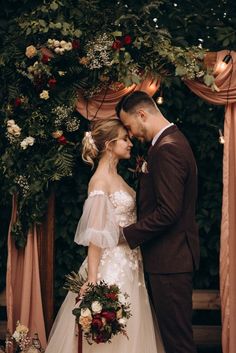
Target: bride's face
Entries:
(121, 148)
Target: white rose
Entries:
(122, 321)
(121, 298)
(10, 122)
(17, 134)
(16, 336)
(61, 50)
(85, 312)
(96, 307)
(10, 130)
(57, 50)
(30, 140)
(24, 144)
(30, 51)
(56, 43)
(50, 41)
(44, 94)
(62, 43)
(68, 46)
(16, 128)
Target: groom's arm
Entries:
(168, 169)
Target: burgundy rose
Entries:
(45, 58)
(117, 44)
(108, 315)
(62, 140)
(97, 323)
(127, 39)
(112, 296)
(75, 44)
(18, 102)
(52, 82)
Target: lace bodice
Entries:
(124, 206)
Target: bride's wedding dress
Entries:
(102, 216)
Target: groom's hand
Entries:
(122, 239)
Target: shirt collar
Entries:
(156, 137)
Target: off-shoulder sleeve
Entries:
(98, 223)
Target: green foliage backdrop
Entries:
(210, 24)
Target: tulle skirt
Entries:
(143, 333)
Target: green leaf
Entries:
(53, 6)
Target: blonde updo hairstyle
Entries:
(95, 142)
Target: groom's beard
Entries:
(143, 137)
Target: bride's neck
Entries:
(108, 165)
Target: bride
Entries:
(110, 204)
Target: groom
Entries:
(166, 229)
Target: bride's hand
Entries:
(84, 288)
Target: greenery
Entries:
(49, 54)
(166, 39)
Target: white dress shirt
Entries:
(156, 137)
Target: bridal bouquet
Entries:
(102, 312)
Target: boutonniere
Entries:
(141, 166)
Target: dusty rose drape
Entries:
(226, 82)
(23, 292)
(102, 106)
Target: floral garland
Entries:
(46, 60)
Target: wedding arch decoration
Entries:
(57, 61)
(61, 55)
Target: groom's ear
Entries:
(142, 114)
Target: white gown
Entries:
(99, 224)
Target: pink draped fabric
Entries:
(226, 82)
(23, 292)
(102, 106)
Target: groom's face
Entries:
(134, 124)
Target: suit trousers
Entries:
(171, 295)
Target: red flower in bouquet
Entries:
(97, 323)
(108, 315)
(112, 296)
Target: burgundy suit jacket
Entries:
(166, 229)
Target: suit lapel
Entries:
(170, 130)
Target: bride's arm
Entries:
(94, 255)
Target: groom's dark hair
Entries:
(129, 102)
